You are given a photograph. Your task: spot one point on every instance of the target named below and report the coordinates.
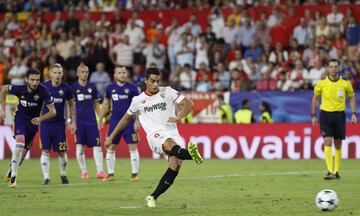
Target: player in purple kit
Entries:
(119, 95)
(32, 97)
(52, 131)
(87, 132)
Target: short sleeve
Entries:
(69, 93)
(14, 89)
(133, 108)
(108, 92)
(47, 99)
(349, 89)
(174, 95)
(318, 89)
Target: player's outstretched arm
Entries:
(3, 93)
(314, 105)
(186, 106)
(121, 125)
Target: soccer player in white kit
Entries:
(155, 108)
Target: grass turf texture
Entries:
(216, 187)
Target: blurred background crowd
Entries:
(200, 45)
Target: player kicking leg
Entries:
(155, 108)
(176, 155)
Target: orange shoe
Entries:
(109, 178)
(134, 177)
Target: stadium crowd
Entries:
(279, 50)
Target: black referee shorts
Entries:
(332, 124)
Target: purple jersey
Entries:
(30, 104)
(85, 96)
(121, 97)
(59, 95)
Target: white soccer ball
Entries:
(326, 200)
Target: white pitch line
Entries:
(131, 207)
(235, 175)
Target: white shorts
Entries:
(157, 139)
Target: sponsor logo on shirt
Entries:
(25, 103)
(57, 100)
(117, 97)
(158, 106)
(82, 97)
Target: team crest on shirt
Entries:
(126, 90)
(61, 92)
(162, 95)
(89, 90)
(113, 91)
(143, 101)
(78, 91)
(36, 97)
(22, 97)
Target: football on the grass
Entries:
(326, 200)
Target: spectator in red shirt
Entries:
(280, 34)
(202, 72)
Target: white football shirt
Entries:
(154, 110)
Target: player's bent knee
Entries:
(20, 138)
(132, 146)
(328, 141)
(112, 147)
(62, 153)
(168, 145)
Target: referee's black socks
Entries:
(180, 153)
(165, 182)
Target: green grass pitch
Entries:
(216, 187)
